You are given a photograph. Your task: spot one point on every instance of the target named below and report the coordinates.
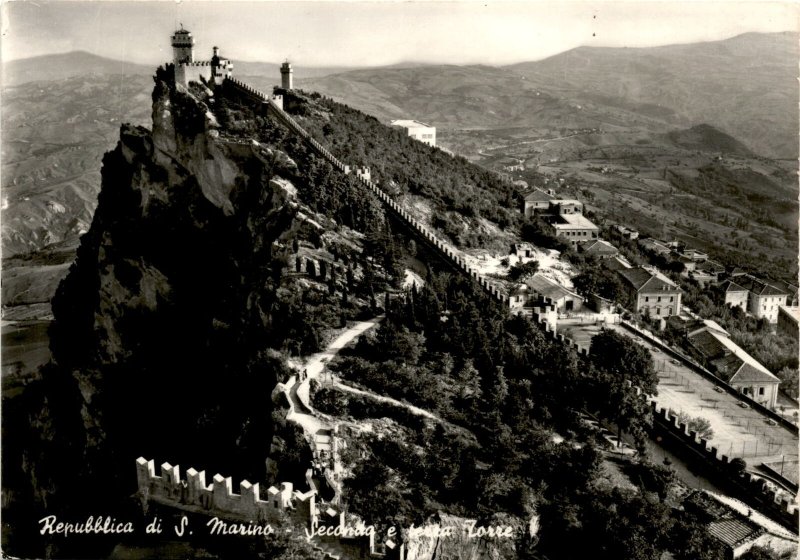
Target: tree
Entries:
(522, 271)
(620, 356)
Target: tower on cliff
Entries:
(286, 75)
(182, 46)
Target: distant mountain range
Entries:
(81, 63)
(745, 86)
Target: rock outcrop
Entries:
(163, 325)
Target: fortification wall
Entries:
(193, 72)
(192, 494)
(752, 486)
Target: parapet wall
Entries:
(778, 501)
(192, 494)
(218, 497)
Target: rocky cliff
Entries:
(163, 325)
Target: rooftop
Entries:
(538, 195)
(731, 286)
(548, 288)
(759, 287)
(731, 361)
(645, 281)
(723, 523)
(600, 247)
(409, 123)
(573, 221)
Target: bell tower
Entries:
(286, 75)
(182, 46)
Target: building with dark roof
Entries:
(542, 288)
(537, 200)
(735, 295)
(600, 249)
(735, 366)
(738, 531)
(651, 293)
(764, 298)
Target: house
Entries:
(709, 269)
(651, 293)
(788, 317)
(418, 130)
(735, 295)
(537, 200)
(655, 246)
(736, 529)
(694, 255)
(542, 288)
(763, 299)
(735, 366)
(524, 250)
(575, 228)
(600, 249)
(626, 232)
(565, 216)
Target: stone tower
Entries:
(182, 46)
(286, 75)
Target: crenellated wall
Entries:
(192, 494)
(777, 500)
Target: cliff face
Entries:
(162, 327)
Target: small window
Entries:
(646, 299)
(761, 390)
(659, 299)
(658, 311)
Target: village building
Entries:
(655, 246)
(736, 531)
(763, 299)
(418, 130)
(542, 288)
(735, 295)
(791, 292)
(788, 317)
(708, 271)
(524, 250)
(626, 232)
(564, 216)
(537, 200)
(735, 366)
(600, 249)
(651, 293)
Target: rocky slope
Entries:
(162, 324)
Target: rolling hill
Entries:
(744, 86)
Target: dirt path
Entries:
(309, 368)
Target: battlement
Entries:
(218, 498)
(329, 524)
(779, 500)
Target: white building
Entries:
(418, 130)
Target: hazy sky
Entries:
(336, 33)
